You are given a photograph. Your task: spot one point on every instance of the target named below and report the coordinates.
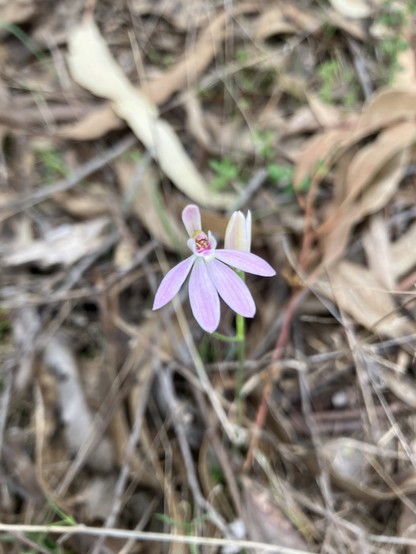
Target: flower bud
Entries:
(238, 232)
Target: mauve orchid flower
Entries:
(210, 275)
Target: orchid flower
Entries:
(211, 276)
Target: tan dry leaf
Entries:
(370, 159)
(191, 65)
(322, 147)
(158, 220)
(406, 524)
(265, 521)
(336, 231)
(77, 417)
(382, 188)
(359, 293)
(378, 251)
(181, 75)
(356, 28)
(62, 245)
(196, 125)
(272, 22)
(386, 106)
(93, 67)
(403, 253)
(86, 204)
(95, 124)
(355, 9)
(334, 243)
(17, 11)
(183, 15)
(326, 115)
(305, 21)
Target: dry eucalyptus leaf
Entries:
(158, 90)
(93, 67)
(403, 253)
(360, 294)
(370, 159)
(265, 521)
(273, 22)
(386, 106)
(364, 196)
(147, 203)
(377, 247)
(322, 147)
(17, 11)
(187, 69)
(80, 428)
(62, 245)
(355, 9)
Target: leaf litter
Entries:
(113, 118)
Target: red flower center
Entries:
(202, 243)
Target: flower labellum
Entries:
(211, 276)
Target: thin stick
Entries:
(76, 176)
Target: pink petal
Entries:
(191, 218)
(172, 282)
(205, 303)
(245, 261)
(231, 288)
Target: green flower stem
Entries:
(240, 340)
(224, 338)
(241, 335)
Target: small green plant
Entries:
(281, 176)
(225, 173)
(332, 77)
(264, 142)
(393, 18)
(52, 164)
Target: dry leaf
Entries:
(322, 147)
(93, 67)
(63, 245)
(93, 202)
(407, 524)
(76, 415)
(147, 203)
(356, 9)
(273, 22)
(386, 106)
(378, 251)
(158, 90)
(373, 176)
(17, 11)
(403, 253)
(192, 64)
(95, 124)
(370, 159)
(326, 115)
(355, 28)
(265, 521)
(360, 294)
